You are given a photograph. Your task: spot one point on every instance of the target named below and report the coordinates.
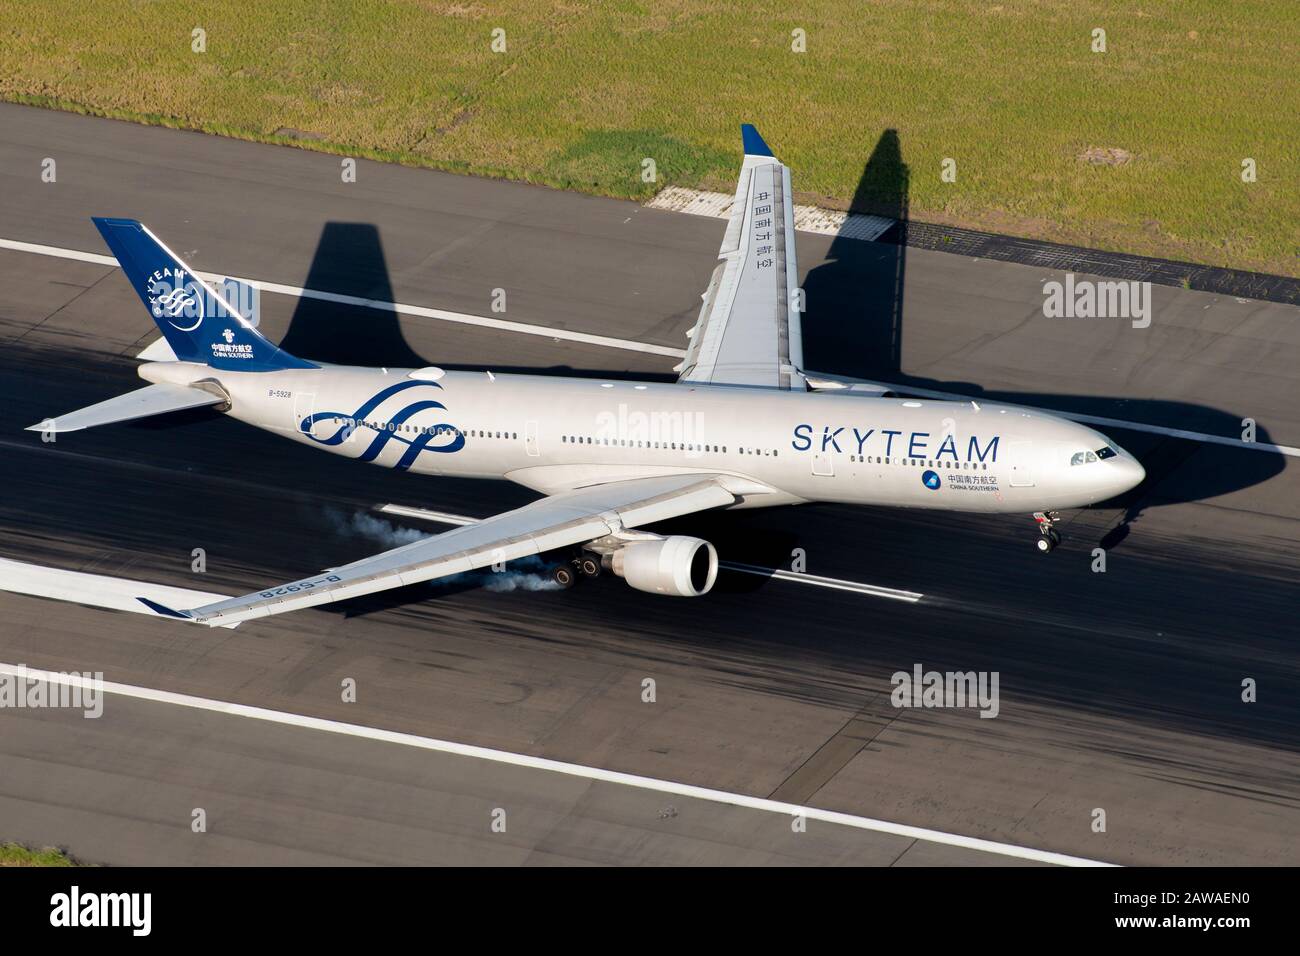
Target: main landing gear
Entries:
(1048, 536)
(566, 573)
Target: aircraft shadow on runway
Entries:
(854, 325)
(349, 260)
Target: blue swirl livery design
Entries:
(388, 428)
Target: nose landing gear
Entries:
(1048, 536)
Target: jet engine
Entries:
(677, 565)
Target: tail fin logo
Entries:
(195, 313)
(182, 301)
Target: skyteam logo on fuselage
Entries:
(931, 480)
(892, 443)
(395, 425)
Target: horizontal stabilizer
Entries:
(142, 403)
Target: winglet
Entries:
(754, 145)
(164, 610)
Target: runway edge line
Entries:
(558, 766)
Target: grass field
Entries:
(11, 854)
(585, 91)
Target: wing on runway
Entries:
(555, 522)
(749, 330)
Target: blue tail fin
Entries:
(199, 322)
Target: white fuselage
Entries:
(553, 434)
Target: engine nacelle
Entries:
(677, 565)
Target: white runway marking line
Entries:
(911, 597)
(608, 342)
(440, 314)
(559, 766)
(801, 577)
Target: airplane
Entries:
(744, 426)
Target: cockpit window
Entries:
(1085, 457)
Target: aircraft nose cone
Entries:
(1129, 474)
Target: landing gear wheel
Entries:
(1048, 536)
(588, 566)
(564, 576)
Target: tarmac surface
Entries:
(1119, 691)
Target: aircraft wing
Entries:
(749, 331)
(559, 521)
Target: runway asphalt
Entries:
(1119, 690)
